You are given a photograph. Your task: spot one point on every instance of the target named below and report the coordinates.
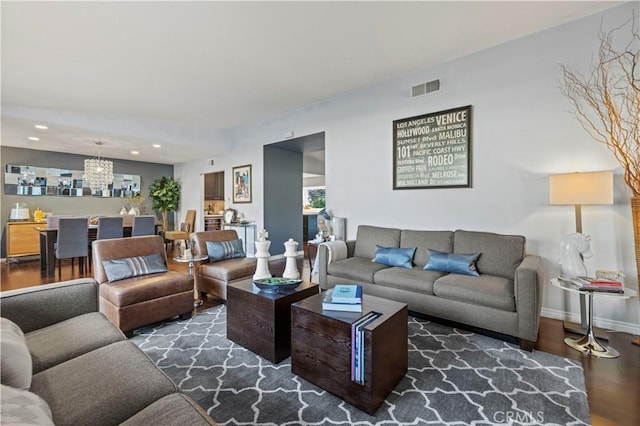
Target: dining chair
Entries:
(108, 227)
(143, 225)
(186, 228)
(72, 241)
(54, 219)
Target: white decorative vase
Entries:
(262, 257)
(290, 268)
(133, 211)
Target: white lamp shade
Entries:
(581, 188)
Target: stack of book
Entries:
(357, 346)
(592, 284)
(343, 297)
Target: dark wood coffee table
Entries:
(261, 321)
(321, 349)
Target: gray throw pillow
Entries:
(221, 250)
(24, 408)
(15, 360)
(120, 269)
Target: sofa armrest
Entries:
(36, 307)
(323, 260)
(529, 281)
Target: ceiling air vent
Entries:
(424, 88)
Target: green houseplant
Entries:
(165, 195)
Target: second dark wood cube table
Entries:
(260, 320)
(321, 349)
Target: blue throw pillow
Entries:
(453, 262)
(221, 250)
(394, 256)
(119, 269)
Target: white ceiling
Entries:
(180, 73)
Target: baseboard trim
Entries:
(604, 323)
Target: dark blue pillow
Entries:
(221, 250)
(453, 262)
(395, 256)
(119, 269)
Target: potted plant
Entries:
(165, 195)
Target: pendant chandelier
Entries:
(98, 173)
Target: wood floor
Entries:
(613, 385)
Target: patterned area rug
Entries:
(455, 377)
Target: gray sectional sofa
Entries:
(67, 364)
(505, 298)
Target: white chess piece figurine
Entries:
(290, 268)
(262, 256)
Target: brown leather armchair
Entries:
(212, 277)
(142, 300)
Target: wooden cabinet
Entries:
(212, 223)
(22, 239)
(214, 186)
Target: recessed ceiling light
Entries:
(41, 127)
(135, 152)
(33, 138)
(157, 145)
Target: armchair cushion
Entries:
(120, 269)
(15, 361)
(222, 250)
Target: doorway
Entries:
(289, 166)
(213, 201)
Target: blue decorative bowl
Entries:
(276, 284)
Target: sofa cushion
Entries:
(368, 236)
(222, 250)
(173, 409)
(355, 268)
(24, 408)
(395, 256)
(144, 288)
(424, 240)
(230, 269)
(501, 254)
(102, 387)
(15, 359)
(414, 279)
(120, 269)
(485, 290)
(453, 262)
(60, 342)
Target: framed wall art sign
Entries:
(433, 150)
(242, 184)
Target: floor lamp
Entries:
(578, 189)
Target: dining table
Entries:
(49, 235)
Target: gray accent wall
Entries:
(282, 197)
(88, 205)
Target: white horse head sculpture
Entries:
(573, 249)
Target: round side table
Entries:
(190, 260)
(588, 344)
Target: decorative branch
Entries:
(607, 102)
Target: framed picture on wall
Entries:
(242, 184)
(433, 150)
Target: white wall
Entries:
(522, 132)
